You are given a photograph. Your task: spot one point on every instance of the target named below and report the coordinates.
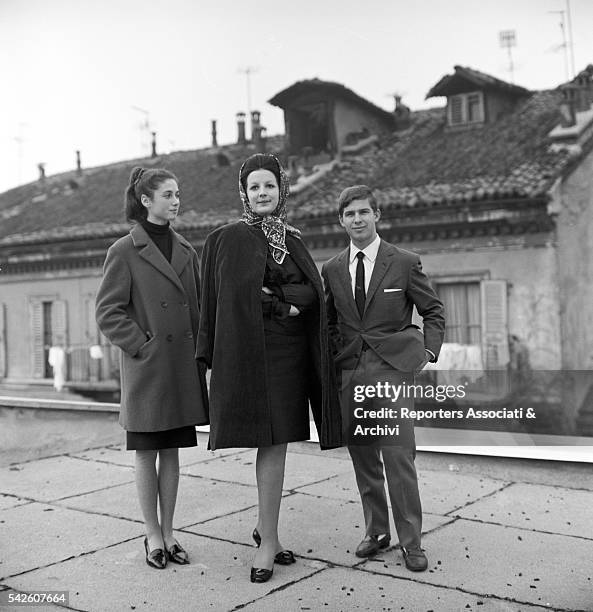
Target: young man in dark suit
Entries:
(371, 289)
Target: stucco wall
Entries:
(575, 260)
(351, 118)
(17, 292)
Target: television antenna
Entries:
(144, 127)
(564, 44)
(508, 39)
(248, 71)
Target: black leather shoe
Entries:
(415, 558)
(156, 558)
(284, 557)
(371, 545)
(177, 554)
(260, 574)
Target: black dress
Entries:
(170, 438)
(286, 349)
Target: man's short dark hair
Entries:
(356, 192)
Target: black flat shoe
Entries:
(284, 557)
(260, 574)
(177, 554)
(156, 558)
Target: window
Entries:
(476, 314)
(48, 328)
(467, 108)
(462, 308)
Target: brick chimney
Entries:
(78, 164)
(41, 168)
(214, 141)
(260, 143)
(241, 129)
(401, 114)
(568, 106)
(153, 144)
(255, 118)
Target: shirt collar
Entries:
(370, 251)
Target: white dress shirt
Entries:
(370, 256)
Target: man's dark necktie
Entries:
(359, 293)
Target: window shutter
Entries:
(495, 343)
(37, 350)
(456, 110)
(3, 347)
(59, 324)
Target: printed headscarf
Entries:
(274, 225)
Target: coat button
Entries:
(184, 304)
(189, 334)
(164, 304)
(169, 337)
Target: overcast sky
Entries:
(71, 71)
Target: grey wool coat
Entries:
(231, 340)
(150, 310)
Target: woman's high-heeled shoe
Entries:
(284, 557)
(155, 558)
(260, 574)
(177, 554)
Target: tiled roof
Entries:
(424, 165)
(67, 204)
(284, 98)
(429, 165)
(481, 80)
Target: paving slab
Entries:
(444, 492)
(117, 578)
(198, 499)
(440, 492)
(538, 507)
(57, 477)
(37, 534)
(336, 589)
(301, 469)
(118, 455)
(522, 566)
(9, 501)
(306, 527)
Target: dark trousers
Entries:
(375, 463)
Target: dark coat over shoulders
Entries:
(150, 310)
(231, 340)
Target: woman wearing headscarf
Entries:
(263, 332)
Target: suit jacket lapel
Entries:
(382, 263)
(148, 250)
(343, 265)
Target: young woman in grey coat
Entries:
(148, 305)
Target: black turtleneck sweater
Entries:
(161, 236)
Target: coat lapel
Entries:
(181, 254)
(150, 252)
(382, 263)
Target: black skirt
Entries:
(181, 437)
(286, 377)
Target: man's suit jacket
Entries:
(397, 284)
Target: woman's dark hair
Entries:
(143, 181)
(259, 161)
